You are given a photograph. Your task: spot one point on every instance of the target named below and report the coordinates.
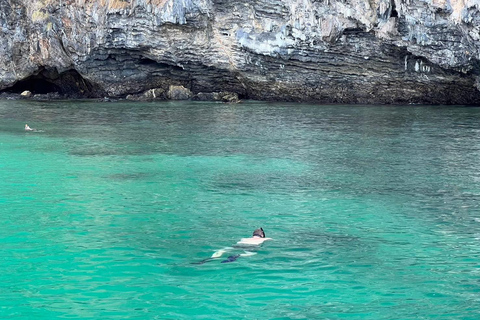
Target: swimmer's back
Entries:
(255, 241)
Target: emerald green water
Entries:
(374, 211)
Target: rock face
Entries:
(179, 93)
(26, 94)
(328, 51)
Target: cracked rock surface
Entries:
(327, 51)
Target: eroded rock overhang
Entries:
(350, 51)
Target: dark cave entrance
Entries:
(34, 84)
(69, 84)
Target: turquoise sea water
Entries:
(374, 211)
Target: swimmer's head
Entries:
(259, 233)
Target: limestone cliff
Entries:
(334, 51)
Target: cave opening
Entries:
(69, 84)
(35, 84)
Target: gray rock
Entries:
(47, 96)
(154, 94)
(230, 97)
(26, 94)
(204, 96)
(9, 96)
(348, 51)
(179, 93)
(149, 95)
(217, 96)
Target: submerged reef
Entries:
(327, 51)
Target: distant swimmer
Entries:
(247, 244)
(27, 128)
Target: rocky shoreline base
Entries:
(157, 94)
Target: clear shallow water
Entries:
(374, 211)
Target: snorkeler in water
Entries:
(247, 244)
